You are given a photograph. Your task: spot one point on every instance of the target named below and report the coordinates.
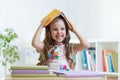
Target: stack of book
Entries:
(30, 71)
(88, 58)
(110, 61)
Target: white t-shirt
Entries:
(57, 60)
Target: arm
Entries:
(36, 43)
(83, 42)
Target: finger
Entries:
(45, 20)
(71, 26)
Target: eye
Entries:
(55, 29)
(62, 28)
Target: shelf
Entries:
(99, 45)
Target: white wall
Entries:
(93, 18)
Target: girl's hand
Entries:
(73, 30)
(44, 21)
(72, 27)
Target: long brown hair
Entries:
(49, 42)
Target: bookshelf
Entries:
(99, 45)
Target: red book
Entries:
(105, 63)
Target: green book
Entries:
(33, 75)
(29, 67)
(115, 61)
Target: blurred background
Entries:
(94, 19)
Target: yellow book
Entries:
(53, 14)
(33, 75)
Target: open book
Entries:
(81, 73)
(53, 14)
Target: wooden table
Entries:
(53, 78)
(106, 77)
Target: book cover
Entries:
(115, 60)
(84, 60)
(53, 14)
(91, 58)
(29, 67)
(93, 61)
(105, 61)
(81, 73)
(30, 72)
(112, 65)
(110, 60)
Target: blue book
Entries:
(84, 60)
(111, 63)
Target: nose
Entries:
(59, 31)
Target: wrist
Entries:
(75, 31)
(41, 26)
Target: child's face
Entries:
(58, 31)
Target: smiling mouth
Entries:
(59, 36)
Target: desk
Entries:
(53, 78)
(111, 77)
(106, 77)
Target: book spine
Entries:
(29, 68)
(112, 66)
(104, 61)
(84, 60)
(115, 61)
(33, 75)
(30, 72)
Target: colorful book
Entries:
(105, 62)
(33, 75)
(84, 60)
(30, 72)
(81, 73)
(53, 14)
(110, 60)
(115, 60)
(29, 67)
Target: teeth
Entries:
(59, 36)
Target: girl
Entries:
(55, 50)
